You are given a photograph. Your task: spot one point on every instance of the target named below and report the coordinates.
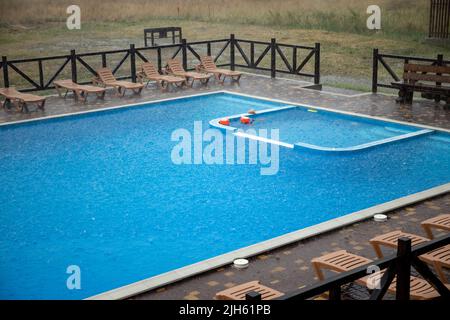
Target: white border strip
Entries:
(264, 246)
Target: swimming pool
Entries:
(100, 191)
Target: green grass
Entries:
(346, 51)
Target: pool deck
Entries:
(286, 268)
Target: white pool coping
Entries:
(264, 246)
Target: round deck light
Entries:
(240, 263)
(380, 217)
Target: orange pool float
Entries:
(245, 120)
(225, 122)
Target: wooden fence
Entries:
(39, 73)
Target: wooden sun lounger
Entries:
(106, 78)
(207, 65)
(390, 239)
(343, 261)
(439, 259)
(175, 68)
(80, 91)
(441, 222)
(150, 73)
(21, 100)
(238, 292)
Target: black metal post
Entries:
(403, 266)
(375, 71)
(103, 60)
(317, 63)
(440, 59)
(294, 60)
(252, 54)
(184, 52)
(73, 65)
(5, 71)
(232, 54)
(253, 296)
(133, 62)
(273, 58)
(41, 74)
(335, 293)
(159, 59)
(208, 48)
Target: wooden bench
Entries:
(432, 81)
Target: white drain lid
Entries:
(240, 263)
(380, 217)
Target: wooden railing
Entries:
(80, 67)
(398, 265)
(385, 62)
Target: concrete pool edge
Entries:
(154, 282)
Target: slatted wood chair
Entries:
(21, 100)
(106, 78)
(150, 73)
(441, 222)
(390, 239)
(439, 259)
(343, 261)
(207, 65)
(80, 92)
(238, 292)
(175, 68)
(432, 80)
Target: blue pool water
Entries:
(100, 191)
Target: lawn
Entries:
(27, 30)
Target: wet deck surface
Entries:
(287, 268)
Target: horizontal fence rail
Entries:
(273, 57)
(393, 65)
(398, 266)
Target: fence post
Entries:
(273, 58)
(73, 65)
(232, 56)
(159, 59)
(440, 62)
(5, 71)
(317, 63)
(375, 71)
(403, 266)
(253, 296)
(335, 293)
(184, 53)
(133, 62)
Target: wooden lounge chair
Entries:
(390, 240)
(439, 259)
(150, 73)
(80, 91)
(343, 261)
(175, 68)
(441, 222)
(106, 78)
(238, 292)
(21, 100)
(207, 65)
